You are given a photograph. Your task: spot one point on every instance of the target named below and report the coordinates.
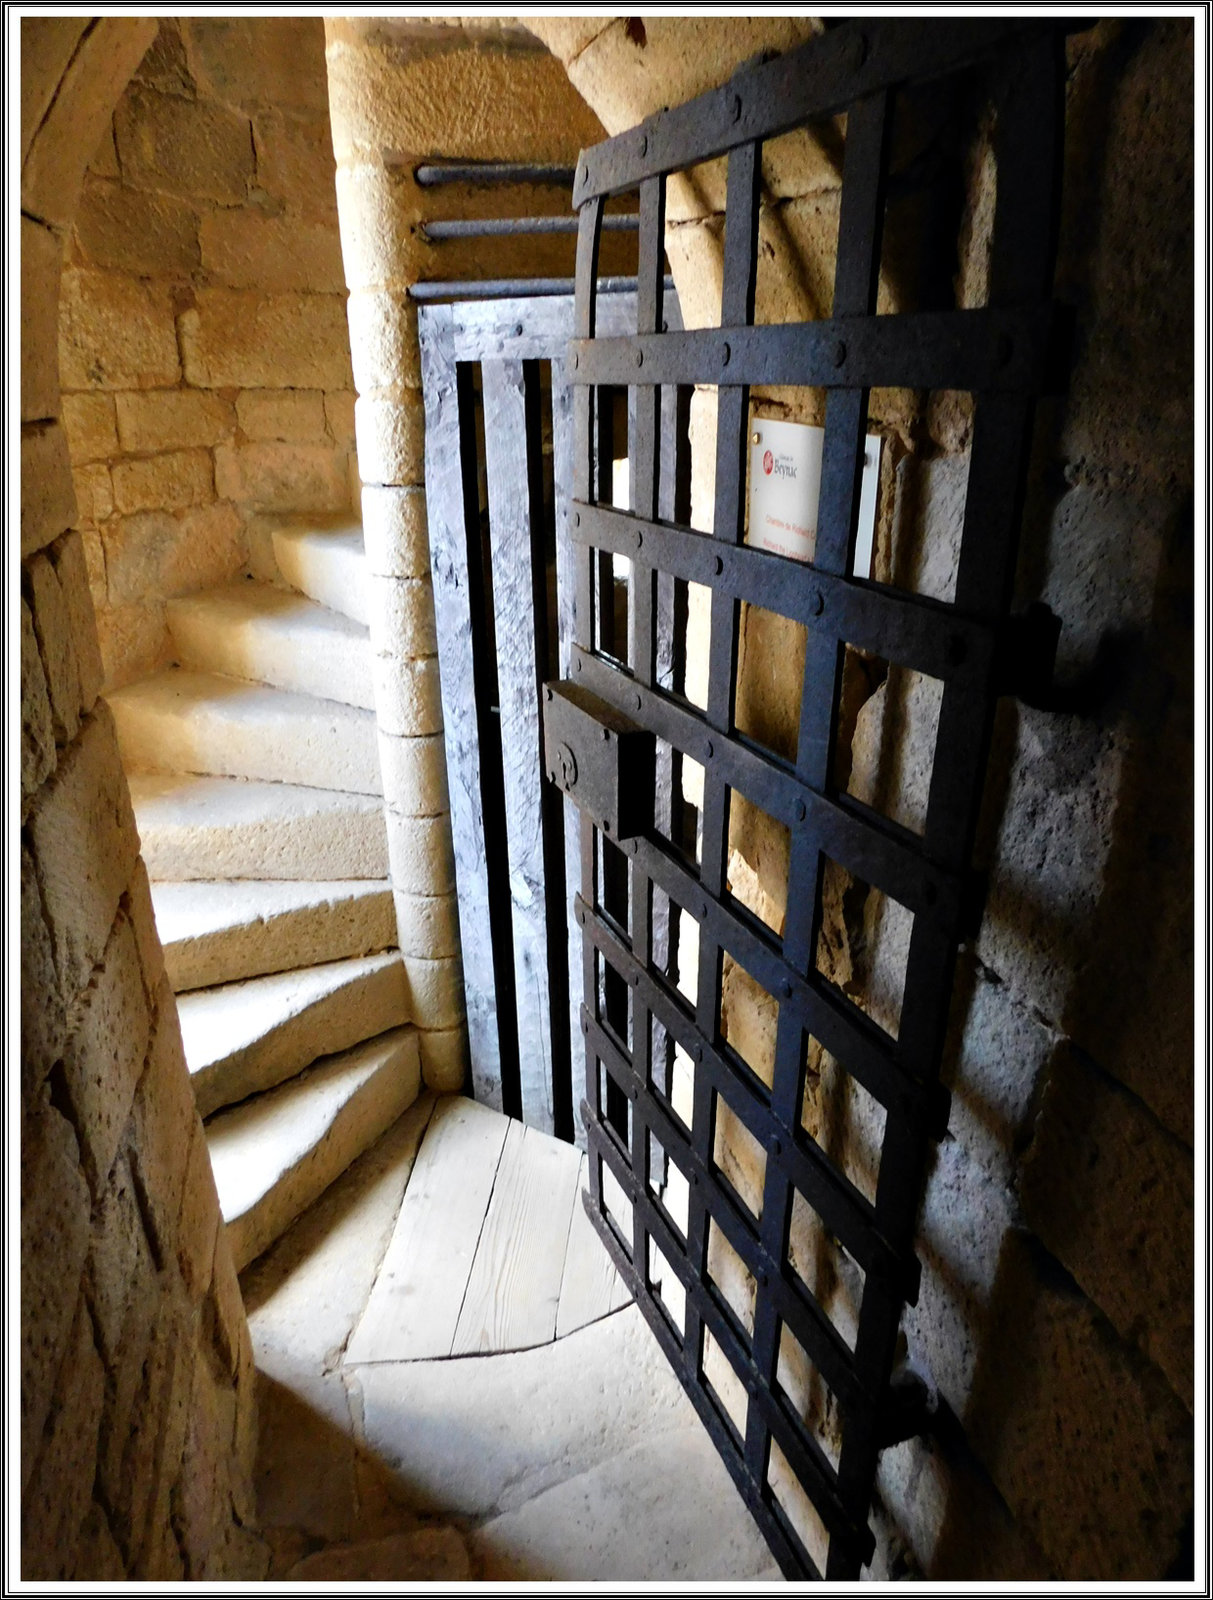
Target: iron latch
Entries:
(601, 759)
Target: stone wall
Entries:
(204, 354)
(138, 1426)
(403, 93)
(1055, 1320)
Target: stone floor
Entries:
(576, 1460)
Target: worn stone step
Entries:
(267, 635)
(179, 721)
(215, 933)
(243, 1038)
(328, 564)
(277, 1153)
(199, 827)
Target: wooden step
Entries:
(492, 1250)
(327, 564)
(200, 827)
(266, 635)
(217, 933)
(199, 722)
(276, 1154)
(243, 1038)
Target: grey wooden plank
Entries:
(513, 1292)
(518, 678)
(590, 1287)
(414, 1307)
(449, 566)
(528, 329)
(566, 613)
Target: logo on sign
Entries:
(768, 463)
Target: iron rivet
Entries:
(697, 1052)
(581, 918)
(638, 702)
(577, 519)
(801, 812)
(606, 825)
(718, 565)
(839, 353)
(786, 986)
(726, 354)
(577, 665)
(703, 909)
(576, 359)
(639, 538)
(585, 1026)
(776, 1147)
(818, 603)
(735, 107)
(694, 1179)
(518, 330)
(640, 358)
(606, 734)
(644, 144)
(711, 748)
(631, 847)
(634, 980)
(631, 1094)
(762, 1280)
(547, 694)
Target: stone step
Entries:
(328, 564)
(277, 1153)
(197, 827)
(267, 635)
(243, 1038)
(215, 933)
(179, 721)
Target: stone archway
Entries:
(138, 1424)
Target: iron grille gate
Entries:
(1004, 354)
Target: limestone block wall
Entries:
(402, 93)
(204, 353)
(138, 1426)
(1055, 1320)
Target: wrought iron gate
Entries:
(612, 718)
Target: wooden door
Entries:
(498, 468)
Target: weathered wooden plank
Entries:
(413, 1310)
(512, 537)
(448, 530)
(513, 1293)
(566, 619)
(590, 1287)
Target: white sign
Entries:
(785, 487)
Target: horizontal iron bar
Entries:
(847, 1214)
(910, 630)
(513, 288)
(791, 1560)
(991, 349)
(806, 1455)
(882, 854)
(432, 173)
(499, 227)
(819, 79)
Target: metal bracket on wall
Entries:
(809, 1491)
